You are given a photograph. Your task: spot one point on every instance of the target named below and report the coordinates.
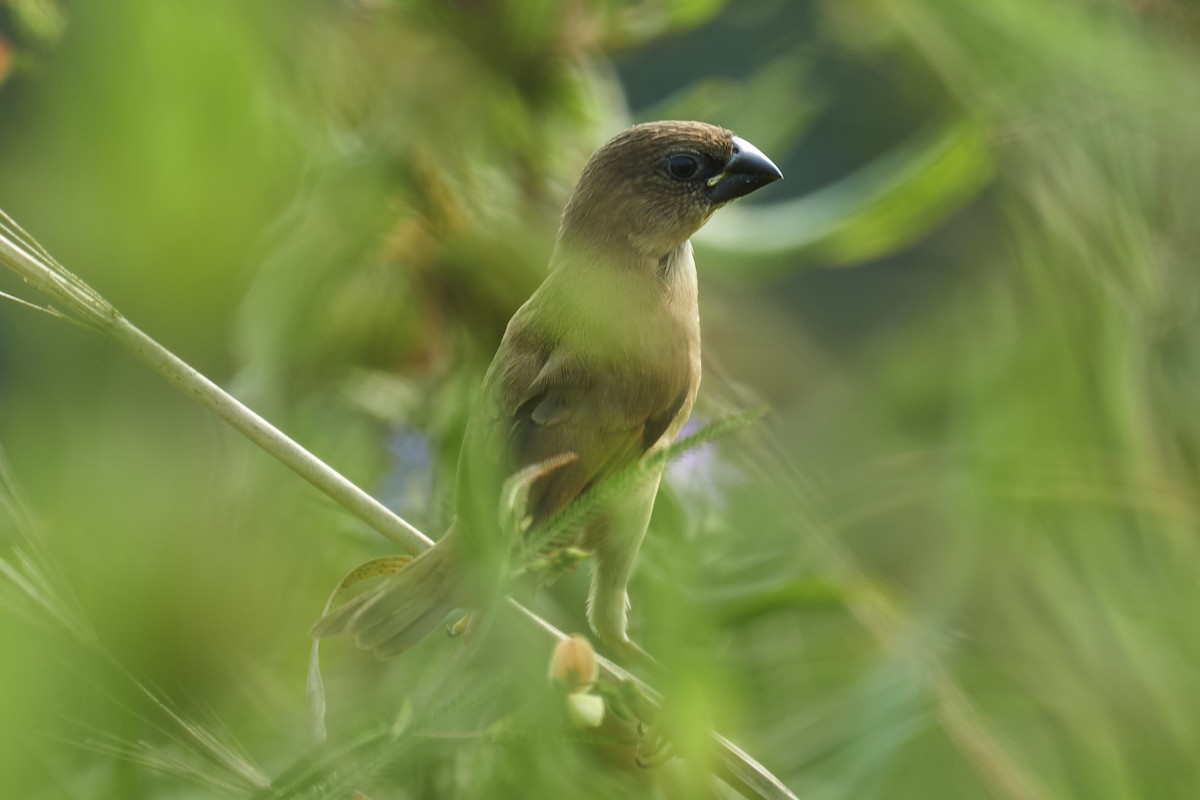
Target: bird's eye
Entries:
(682, 166)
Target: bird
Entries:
(598, 369)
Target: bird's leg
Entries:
(609, 621)
(615, 538)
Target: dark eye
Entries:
(682, 166)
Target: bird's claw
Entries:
(653, 748)
(635, 653)
(629, 703)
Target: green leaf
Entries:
(884, 207)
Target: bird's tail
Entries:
(405, 608)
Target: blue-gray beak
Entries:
(746, 170)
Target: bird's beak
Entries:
(746, 170)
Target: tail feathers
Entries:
(392, 635)
(402, 610)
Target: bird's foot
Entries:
(629, 703)
(653, 748)
(635, 653)
(630, 653)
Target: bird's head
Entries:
(649, 188)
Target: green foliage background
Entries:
(960, 558)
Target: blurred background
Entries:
(960, 558)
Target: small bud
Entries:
(585, 710)
(574, 663)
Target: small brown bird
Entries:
(602, 363)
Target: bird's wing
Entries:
(542, 401)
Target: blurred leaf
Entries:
(691, 12)
(43, 22)
(773, 107)
(883, 207)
